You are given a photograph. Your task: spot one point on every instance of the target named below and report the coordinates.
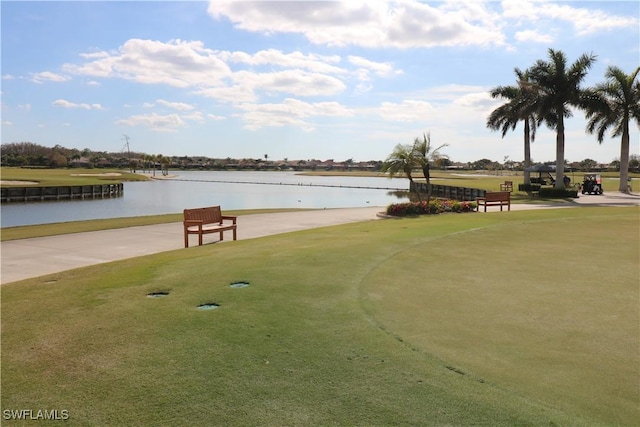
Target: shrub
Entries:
(560, 193)
(528, 187)
(435, 206)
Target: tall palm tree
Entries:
(401, 160)
(520, 107)
(424, 155)
(614, 104)
(557, 89)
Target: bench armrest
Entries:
(229, 217)
(191, 222)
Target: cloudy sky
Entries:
(295, 79)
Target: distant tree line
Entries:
(29, 154)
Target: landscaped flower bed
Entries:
(435, 206)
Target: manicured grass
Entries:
(458, 319)
(74, 176)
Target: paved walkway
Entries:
(23, 259)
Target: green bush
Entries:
(528, 187)
(435, 206)
(558, 193)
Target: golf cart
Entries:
(592, 184)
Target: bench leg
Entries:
(200, 239)
(234, 234)
(221, 236)
(186, 240)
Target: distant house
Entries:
(82, 162)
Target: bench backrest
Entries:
(210, 215)
(497, 196)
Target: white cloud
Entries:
(195, 116)
(312, 62)
(380, 68)
(214, 117)
(406, 111)
(66, 104)
(47, 76)
(181, 106)
(477, 100)
(176, 63)
(230, 94)
(290, 112)
(163, 123)
(7, 123)
(584, 20)
(156, 122)
(295, 82)
(371, 23)
(533, 36)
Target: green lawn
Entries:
(77, 176)
(521, 318)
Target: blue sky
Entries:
(296, 80)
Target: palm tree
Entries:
(557, 88)
(519, 108)
(614, 104)
(401, 160)
(424, 155)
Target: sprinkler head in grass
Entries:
(158, 294)
(241, 284)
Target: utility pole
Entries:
(126, 138)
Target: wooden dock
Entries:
(66, 192)
(449, 192)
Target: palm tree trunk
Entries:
(560, 153)
(427, 177)
(527, 152)
(624, 160)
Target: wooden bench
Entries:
(495, 198)
(206, 220)
(507, 186)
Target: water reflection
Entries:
(231, 190)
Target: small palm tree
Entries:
(557, 89)
(520, 107)
(424, 155)
(401, 160)
(614, 104)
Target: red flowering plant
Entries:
(435, 206)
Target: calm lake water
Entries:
(231, 190)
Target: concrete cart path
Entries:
(28, 258)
